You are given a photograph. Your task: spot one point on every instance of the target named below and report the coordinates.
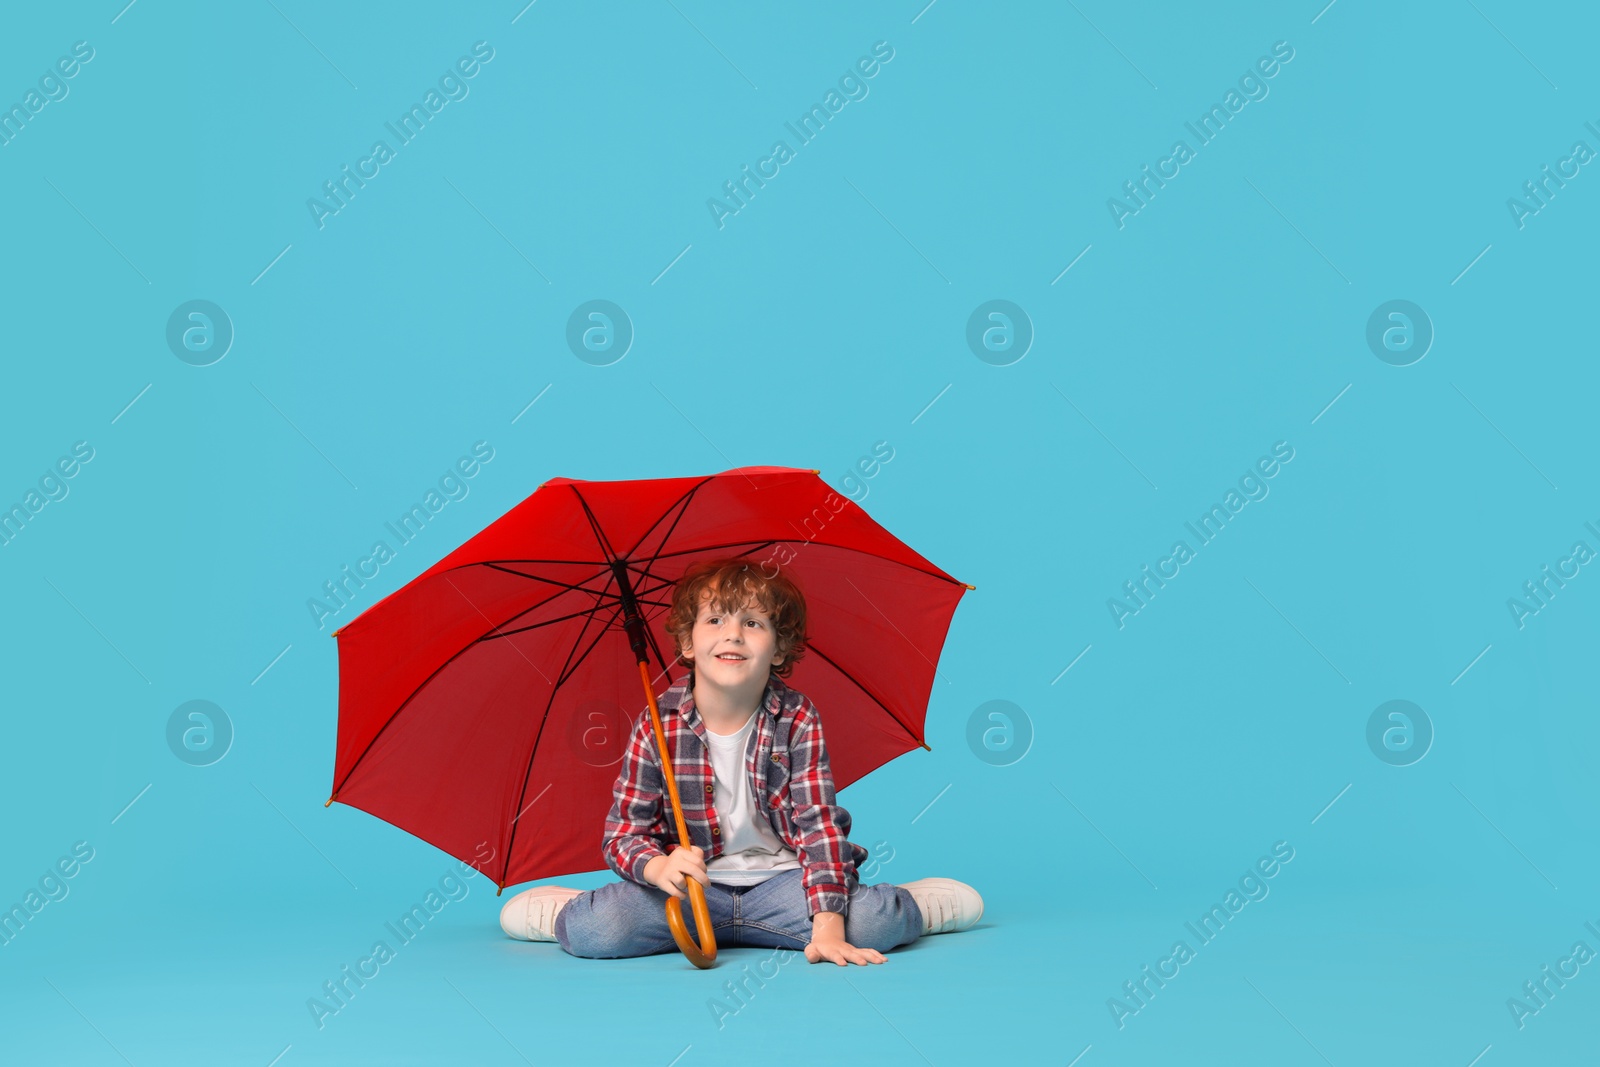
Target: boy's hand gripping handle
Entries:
(704, 954)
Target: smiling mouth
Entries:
(726, 658)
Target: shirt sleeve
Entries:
(636, 827)
(822, 825)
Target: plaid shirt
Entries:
(788, 768)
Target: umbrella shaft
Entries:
(632, 621)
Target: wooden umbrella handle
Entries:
(704, 954)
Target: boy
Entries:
(773, 849)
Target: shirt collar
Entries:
(775, 698)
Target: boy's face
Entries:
(732, 648)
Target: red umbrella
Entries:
(484, 706)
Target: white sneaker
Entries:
(531, 914)
(947, 906)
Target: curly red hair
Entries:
(732, 584)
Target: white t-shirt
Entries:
(751, 853)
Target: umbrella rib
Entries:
(870, 695)
(594, 526)
(644, 572)
(646, 576)
(607, 628)
(496, 565)
(501, 632)
(565, 587)
(390, 721)
(424, 683)
(714, 548)
(681, 504)
(544, 720)
(533, 751)
(550, 562)
(563, 618)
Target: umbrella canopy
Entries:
(484, 706)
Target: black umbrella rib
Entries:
(870, 695)
(498, 633)
(605, 547)
(424, 683)
(567, 585)
(580, 588)
(505, 868)
(549, 562)
(585, 611)
(607, 628)
(682, 506)
(601, 569)
(750, 546)
(643, 570)
(533, 751)
(664, 583)
(566, 673)
(594, 526)
(390, 720)
(535, 607)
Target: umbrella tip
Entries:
(969, 585)
(502, 889)
(926, 746)
(329, 800)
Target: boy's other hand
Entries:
(841, 952)
(671, 873)
(828, 943)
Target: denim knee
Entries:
(882, 917)
(619, 920)
(587, 927)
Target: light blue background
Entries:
(826, 316)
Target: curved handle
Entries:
(703, 955)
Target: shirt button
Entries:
(775, 758)
(716, 831)
(708, 790)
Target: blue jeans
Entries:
(628, 919)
